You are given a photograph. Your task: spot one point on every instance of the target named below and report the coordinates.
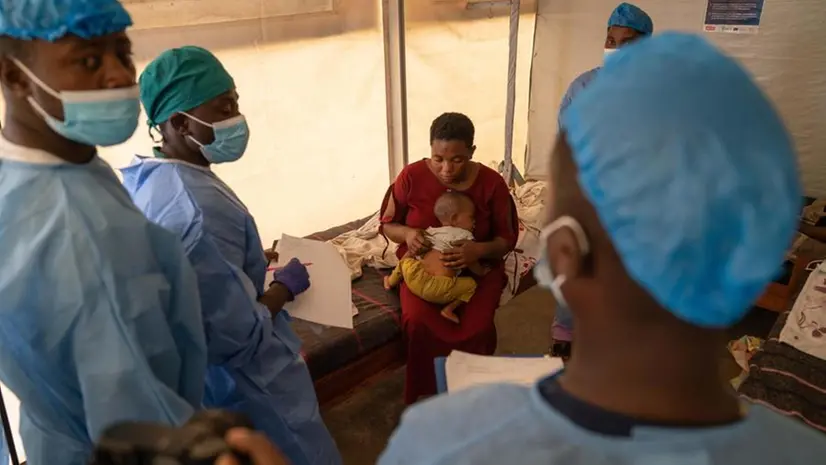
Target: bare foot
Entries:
(450, 316)
(387, 285)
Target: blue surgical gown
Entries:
(510, 424)
(255, 364)
(99, 313)
(576, 87)
(4, 450)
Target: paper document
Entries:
(464, 370)
(329, 301)
(13, 410)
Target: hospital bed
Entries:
(339, 359)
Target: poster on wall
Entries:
(733, 16)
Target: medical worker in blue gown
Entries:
(665, 173)
(255, 364)
(627, 24)
(4, 449)
(99, 314)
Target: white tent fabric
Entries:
(311, 83)
(787, 56)
(311, 77)
(458, 60)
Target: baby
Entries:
(426, 276)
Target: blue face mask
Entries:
(93, 117)
(231, 138)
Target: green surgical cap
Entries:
(180, 80)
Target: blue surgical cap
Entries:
(51, 20)
(628, 15)
(181, 79)
(692, 173)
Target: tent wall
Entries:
(787, 56)
(311, 76)
(457, 60)
(311, 82)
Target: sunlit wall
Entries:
(457, 60)
(312, 86)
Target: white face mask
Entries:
(542, 271)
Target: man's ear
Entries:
(180, 124)
(564, 254)
(472, 151)
(13, 79)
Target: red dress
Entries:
(410, 201)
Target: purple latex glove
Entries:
(294, 277)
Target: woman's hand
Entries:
(255, 445)
(417, 243)
(463, 254)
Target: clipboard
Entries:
(329, 301)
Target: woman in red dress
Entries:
(407, 211)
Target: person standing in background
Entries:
(627, 23)
(255, 364)
(100, 320)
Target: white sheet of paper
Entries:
(464, 370)
(329, 301)
(13, 410)
(271, 276)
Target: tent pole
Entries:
(395, 75)
(510, 106)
